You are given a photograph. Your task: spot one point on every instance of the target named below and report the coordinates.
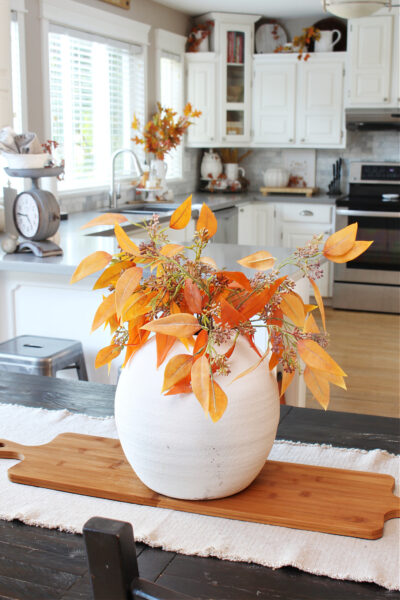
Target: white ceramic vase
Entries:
(179, 452)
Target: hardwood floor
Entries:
(367, 347)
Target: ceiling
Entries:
(285, 9)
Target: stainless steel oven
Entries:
(372, 281)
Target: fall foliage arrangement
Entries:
(302, 42)
(185, 296)
(164, 131)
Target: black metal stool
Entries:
(39, 355)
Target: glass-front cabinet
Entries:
(226, 105)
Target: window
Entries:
(170, 49)
(95, 85)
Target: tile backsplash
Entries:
(374, 146)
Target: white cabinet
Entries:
(297, 223)
(256, 224)
(373, 61)
(201, 82)
(299, 103)
(274, 102)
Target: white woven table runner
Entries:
(336, 556)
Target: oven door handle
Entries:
(367, 213)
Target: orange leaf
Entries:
(201, 377)
(137, 339)
(310, 325)
(256, 302)
(286, 381)
(124, 242)
(183, 387)
(164, 344)
(319, 300)
(105, 311)
(207, 221)
(192, 296)
(136, 305)
(318, 386)
(107, 354)
(276, 317)
(335, 379)
(200, 344)
(237, 276)
(171, 249)
(126, 284)
(177, 369)
(293, 307)
(261, 260)
(110, 275)
(341, 241)
(178, 325)
(317, 358)
(182, 215)
(357, 249)
(218, 401)
(92, 263)
(106, 219)
(229, 353)
(206, 260)
(274, 360)
(229, 314)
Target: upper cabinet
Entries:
(219, 83)
(373, 61)
(299, 103)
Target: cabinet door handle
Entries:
(385, 99)
(306, 213)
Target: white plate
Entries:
(269, 37)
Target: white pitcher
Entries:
(232, 171)
(326, 41)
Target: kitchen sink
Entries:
(146, 208)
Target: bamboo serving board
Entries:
(307, 191)
(352, 503)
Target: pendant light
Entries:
(353, 9)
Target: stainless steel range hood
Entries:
(372, 119)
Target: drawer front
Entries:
(307, 213)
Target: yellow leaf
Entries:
(310, 307)
(319, 300)
(287, 379)
(201, 378)
(207, 221)
(341, 241)
(106, 355)
(106, 219)
(105, 311)
(177, 369)
(126, 285)
(135, 306)
(206, 260)
(261, 260)
(110, 275)
(92, 263)
(124, 242)
(182, 215)
(218, 401)
(357, 249)
(332, 378)
(318, 386)
(310, 325)
(171, 249)
(293, 307)
(317, 358)
(178, 325)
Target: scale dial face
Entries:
(26, 215)
(36, 214)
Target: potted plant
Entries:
(302, 42)
(202, 427)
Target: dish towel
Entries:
(336, 556)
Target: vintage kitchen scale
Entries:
(33, 215)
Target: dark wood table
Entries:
(43, 564)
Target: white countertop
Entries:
(77, 244)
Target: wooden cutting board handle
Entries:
(393, 511)
(12, 450)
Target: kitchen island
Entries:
(38, 563)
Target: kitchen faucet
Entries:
(114, 195)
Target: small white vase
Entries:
(175, 449)
(158, 173)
